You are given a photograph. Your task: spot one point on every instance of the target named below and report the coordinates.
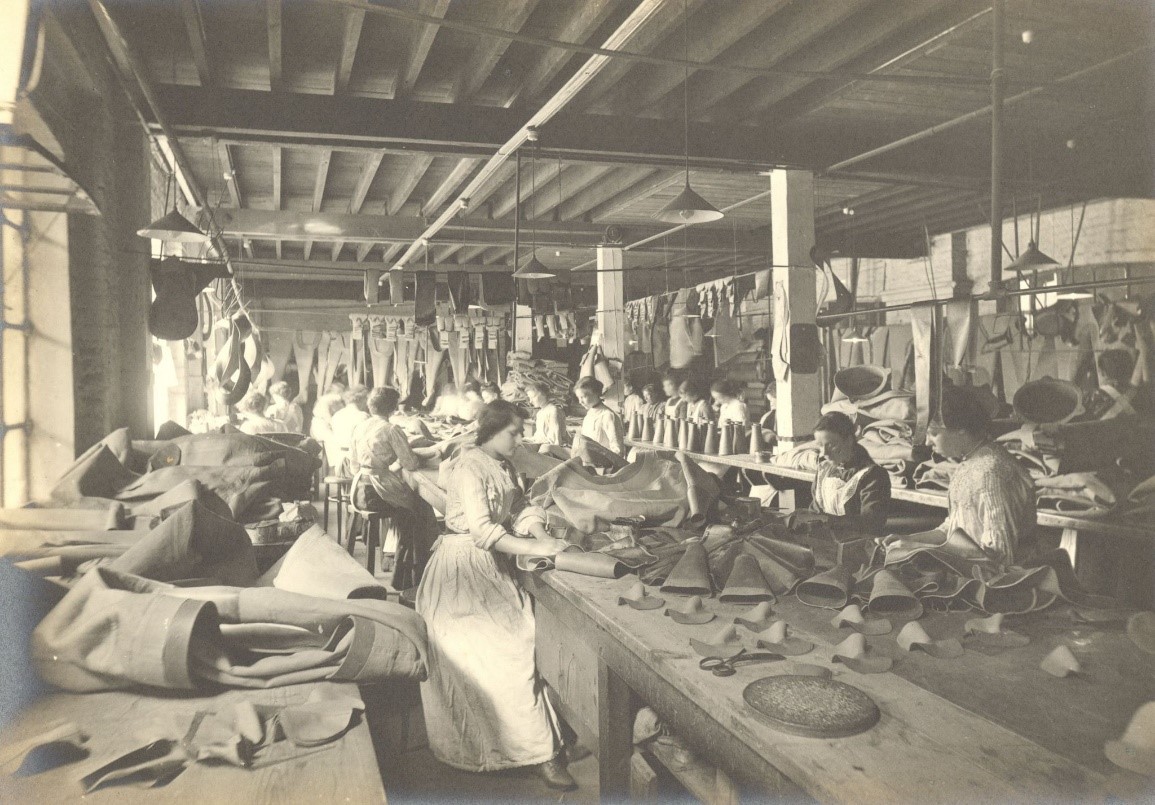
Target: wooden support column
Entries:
(794, 301)
(611, 304)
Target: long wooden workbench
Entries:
(120, 721)
(919, 496)
(980, 728)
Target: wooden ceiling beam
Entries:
(331, 226)
(803, 23)
(449, 186)
(273, 26)
(448, 129)
(350, 39)
(364, 182)
(486, 52)
(643, 189)
(504, 202)
(194, 23)
(573, 180)
(715, 28)
(607, 187)
(414, 171)
(422, 42)
(869, 30)
(580, 20)
(319, 190)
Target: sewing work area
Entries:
(577, 401)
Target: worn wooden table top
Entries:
(121, 721)
(979, 728)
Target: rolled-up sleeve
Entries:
(475, 506)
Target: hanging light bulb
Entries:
(687, 207)
(534, 269)
(173, 227)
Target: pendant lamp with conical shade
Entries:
(1032, 258)
(174, 228)
(687, 207)
(535, 269)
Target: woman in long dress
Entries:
(484, 705)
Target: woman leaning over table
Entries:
(484, 707)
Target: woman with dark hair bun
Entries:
(991, 498)
(850, 491)
(484, 707)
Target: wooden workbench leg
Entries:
(617, 706)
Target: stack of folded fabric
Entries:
(1087, 494)
(888, 441)
(523, 371)
(804, 456)
(864, 394)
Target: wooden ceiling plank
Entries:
(459, 174)
(646, 39)
(573, 180)
(780, 42)
(350, 39)
(363, 251)
(278, 199)
(365, 181)
(319, 190)
(504, 202)
(225, 159)
(584, 200)
(723, 26)
(273, 25)
(901, 52)
(414, 171)
(581, 20)
(487, 51)
(391, 251)
(422, 43)
(195, 25)
(869, 31)
(657, 182)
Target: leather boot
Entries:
(554, 774)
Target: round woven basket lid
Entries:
(812, 706)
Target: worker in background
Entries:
(991, 498)
(1121, 392)
(655, 400)
(601, 423)
(549, 424)
(470, 402)
(769, 420)
(731, 408)
(340, 439)
(284, 409)
(697, 401)
(672, 388)
(633, 402)
(378, 453)
(850, 492)
(328, 404)
(490, 392)
(251, 413)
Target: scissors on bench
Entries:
(724, 666)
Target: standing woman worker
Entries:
(485, 709)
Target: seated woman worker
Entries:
(850, 491)
(991, 498)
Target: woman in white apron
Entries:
(484, 705)
(850, 490)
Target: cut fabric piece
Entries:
(777, 638)
(576, 561)
(746, 584)
(496, 289)
(424, 298)
(829, 590)
(851, 618)
(890, 597)
(853, 653)
(691, 576)
(757, 618)
(988, 633)
(693, 612)
(913, 636)
(192, 543)
(317, 565)
(724, 643)
(1135, 748)
(1061, 662)
(115, 630)
(638, 598)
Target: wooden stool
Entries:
(340, 497)
(370, 526)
